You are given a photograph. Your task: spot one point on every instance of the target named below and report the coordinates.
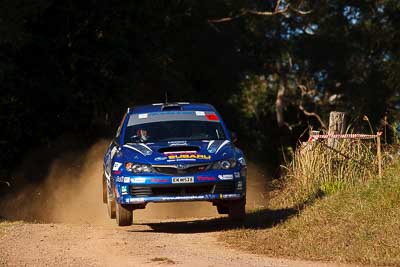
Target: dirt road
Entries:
(149, 243)
(75, 229)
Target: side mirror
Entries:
(234, 137)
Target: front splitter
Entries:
(187, 198)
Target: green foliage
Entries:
(330, 188)
(254, 96)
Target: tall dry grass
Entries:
(318, 169)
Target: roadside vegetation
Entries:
(319, 169)
(329, 209)
(4, 224)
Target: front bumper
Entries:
(186, 198)
(211, 186)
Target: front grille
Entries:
(183, 190)
(140, 191)
(174, 170)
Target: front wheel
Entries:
(111, 206)
(104, 189)
(124, 215)
(237, 210)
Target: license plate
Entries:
(182, 180)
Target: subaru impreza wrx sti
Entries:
(173, 153)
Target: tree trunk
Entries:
(279, 105)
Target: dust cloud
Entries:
(72, 193)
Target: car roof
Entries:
(178, 106)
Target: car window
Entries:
(174, 131)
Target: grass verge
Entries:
(360, 224)
(4, 224)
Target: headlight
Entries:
(225, 164)
(137, 167)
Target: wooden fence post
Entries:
(337, 125)
(379, 154)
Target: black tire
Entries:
(104, 189)
(111, 206)
(222, 209)
(124, 215)
(237, 210)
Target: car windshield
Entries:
(174, 131)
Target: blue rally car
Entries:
(172, 153)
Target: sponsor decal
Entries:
(116, 166)
(138, 180)
(160, 158)
(175, 160)
(145, 146)
(158, 180)
(124, 190)
(183, 180)
(142, 149)
(221, 146)
(119, 179)
(237, 174)
(225, 176)
(127, 179)
(143, 116)
(211, 148)
(189, 156)
(206, 178)
(117, 172)
(184, 198)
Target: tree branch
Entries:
(227, 18)
(278, 3)
(263, 13)
(266, 13)
(313, 114)
(254, 12)
(301, 12)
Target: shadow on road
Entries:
(261, 219)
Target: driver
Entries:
(142, 135)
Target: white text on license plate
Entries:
(182, 180)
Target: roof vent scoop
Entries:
(169, 107)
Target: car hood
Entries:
(178, 151)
